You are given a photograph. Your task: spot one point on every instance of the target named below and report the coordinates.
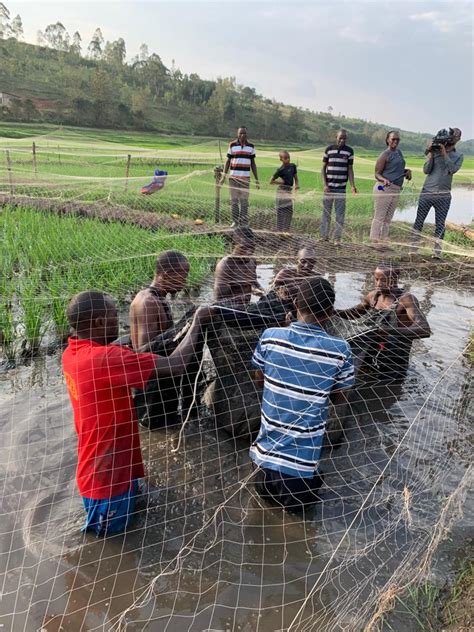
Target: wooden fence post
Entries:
(35, 170)
(9, 170)
(217, 208)
(127, 171)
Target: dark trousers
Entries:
(293, 493)
(441, 203)
(239, 201)
(284, 209)
(338, 199)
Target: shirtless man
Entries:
(236, 274)
(150, 314)
(399, 321)
(289, 278)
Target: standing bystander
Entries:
(240, 161)
(338, 161)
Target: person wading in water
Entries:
(398, 319)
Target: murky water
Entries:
(461, 210)
(241, 566)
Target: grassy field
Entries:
(45, 259)
(91, 165)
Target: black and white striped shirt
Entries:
(338, 160)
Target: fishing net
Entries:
(205, 551)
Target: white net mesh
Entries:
(205, 551)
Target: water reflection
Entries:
(460, 212)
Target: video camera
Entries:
(443, 137)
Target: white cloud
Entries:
(357, 34)
(435, 20)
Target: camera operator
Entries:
(442, 163)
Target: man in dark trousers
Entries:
(337, 169)
(240, 161)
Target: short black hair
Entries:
(86, 306)
(389, 268)
(243, 234)
(315, 296)
(169, 260)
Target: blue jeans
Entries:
(441, 203)
(109, 516)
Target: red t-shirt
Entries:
(99, 379)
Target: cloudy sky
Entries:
(402, 63)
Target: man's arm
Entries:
(416, 326)
(176, 363)
(253, 166)
(148, 321)
(350, 171)
(429, 163)
(357, 311)
(297, 182)
(451, 165)
(225, 172)
(324, 174)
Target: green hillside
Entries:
(56, 84)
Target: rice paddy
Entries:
(45, 259)
(94, 167)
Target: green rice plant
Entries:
(33, 313)
(7, 322)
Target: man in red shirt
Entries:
(99, 377)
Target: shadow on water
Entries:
(219, 559)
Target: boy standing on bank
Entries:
(287, 176)
(302, 369)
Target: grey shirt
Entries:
(394, 166)
(440, 172)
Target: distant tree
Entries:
(94, 49)
(5, 28)
(40, 38)
(142, 102)
(102, 92)
(330, 109)
(17, 28)
(143, 53)
(114, 52)
(76, 45)
(56, 36)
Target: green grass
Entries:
(431, 608)
(90, 165)
(45, 259)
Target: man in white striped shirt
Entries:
(240, 161)
(337, 168)
(302, 368)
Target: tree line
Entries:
(65, 80)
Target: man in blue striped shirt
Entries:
(302, 368)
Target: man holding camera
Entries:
(442, 163)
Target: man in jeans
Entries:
(337, 168)
(240, 161)
(439, 167)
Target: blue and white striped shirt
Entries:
(301, 364)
